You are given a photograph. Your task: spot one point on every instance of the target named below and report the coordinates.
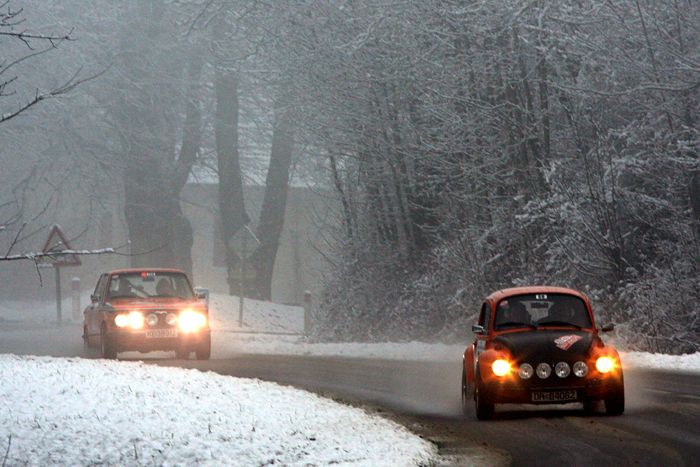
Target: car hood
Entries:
(165, 303)
(557, 344)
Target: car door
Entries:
(485, 323)
(93, 311)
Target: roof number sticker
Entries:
(565, 342)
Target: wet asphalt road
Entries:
(660, 427)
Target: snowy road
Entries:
(659, 427)
(421, 392)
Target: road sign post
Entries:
(57, 254)
(239, 243)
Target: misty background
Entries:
(399, 160)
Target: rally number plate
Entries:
(554, 396)
(160, 333)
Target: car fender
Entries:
(469, 363)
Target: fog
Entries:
(398, 162)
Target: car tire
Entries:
(183, 354)
(590, 406)
(465, 401)
(203, 353)
(615, 405)
(107, 349)
(484, 410)
(86, 342)
(615, 401)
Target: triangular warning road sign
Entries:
(56, 243)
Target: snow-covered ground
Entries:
(74, 411)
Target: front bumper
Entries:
(520, 392)
(122, 340)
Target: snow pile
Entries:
(58, 412)
(689, 363)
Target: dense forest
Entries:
(469, 145)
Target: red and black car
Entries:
(146, 310)
(540, 345)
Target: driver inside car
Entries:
(164, 289)
(517, 313)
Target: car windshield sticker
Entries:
(565, 342)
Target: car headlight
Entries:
(562, 369)
(500, 367)
(135, 319)
(190, 320)
(604, 364)
(152, 319)
(171, 319)
(544, 370)
(121, 320)
(580, 369)
(526, 371)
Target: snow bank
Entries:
(58, 412)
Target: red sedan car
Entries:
(145, 310)
(540, 345)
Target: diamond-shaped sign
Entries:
(55, 245)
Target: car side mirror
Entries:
(478, 329)
(608, 327)
(94, 297)
(202, 294)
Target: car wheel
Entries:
(107, 349)
(464, 391)
(203, 353)
(590, 406)
(183, 354)
(467, 392)
(614, 401)
(484, 409)
(86, 342)
(615, 405)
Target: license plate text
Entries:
(554, 396)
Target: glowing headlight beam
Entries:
(501, 367)
(190, 320)
(135, 319)
(604, 364)
(121, 321)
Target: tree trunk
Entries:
(231, 201)
(274, 204)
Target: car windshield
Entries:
(149, 284)
(535, 310)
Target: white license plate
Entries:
(554, 396)
(160, 333)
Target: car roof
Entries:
(504, 293)
(138, 270)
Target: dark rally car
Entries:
(539, 345)
(145, 310)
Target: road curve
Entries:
(659, 428)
